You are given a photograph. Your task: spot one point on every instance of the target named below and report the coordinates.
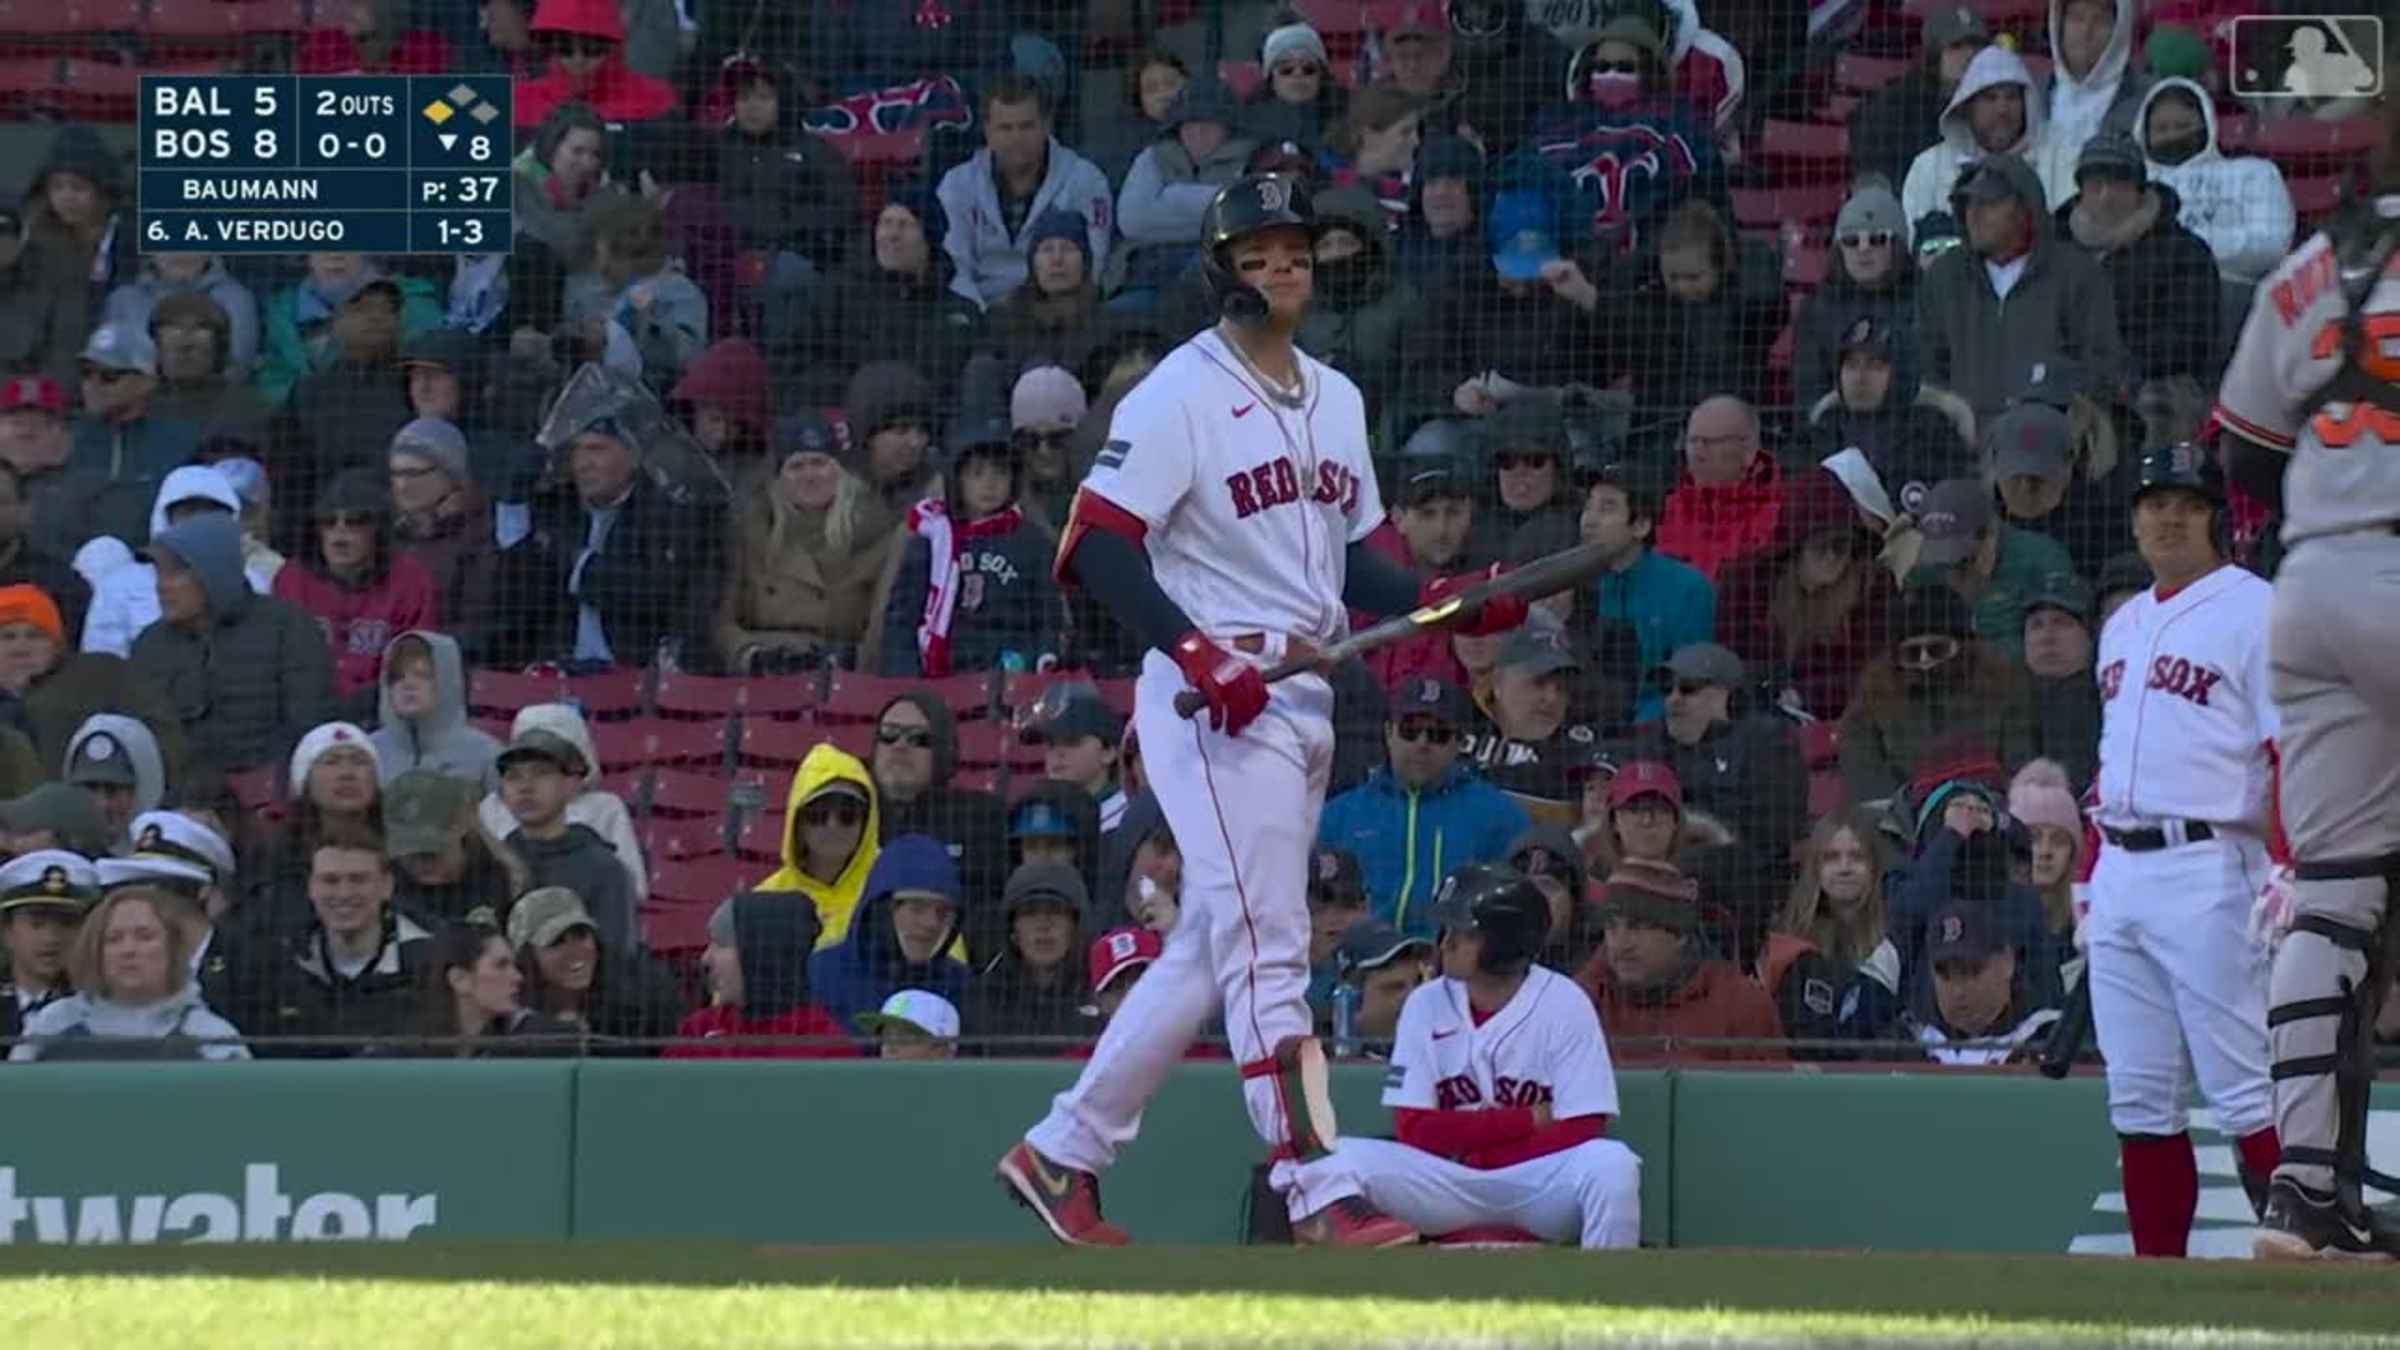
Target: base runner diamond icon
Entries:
(438, 112)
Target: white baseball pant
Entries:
(1589, 1194)
(1244, 812)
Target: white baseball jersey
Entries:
(1251, 505)
(1543, 1045)
(2345, 472)
(2185, 715)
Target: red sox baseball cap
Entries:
(33, 393)
(1645, 778)
(1119, 950)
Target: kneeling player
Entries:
(1500, 1086)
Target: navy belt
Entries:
(2152, 838)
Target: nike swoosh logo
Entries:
(1055, 1183)
(1440, 1034)
(1244, 410)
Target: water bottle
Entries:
(1012, 662)
(1345, 1020)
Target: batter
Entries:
(1501, 1087)
(2186, 775)
(1222, 523)
(2315, 385)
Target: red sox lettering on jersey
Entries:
(2185, 712)
(1277, 483)
(1543, 1046)
(1461, 1090)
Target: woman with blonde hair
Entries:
(1837, 912)
(135, 997)
(810, 545)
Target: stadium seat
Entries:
(761, 837)
(1774, 207)
(2316, 195)
(1802, 148)
(502, 692)
(614, 693)
(1820, 743)
(785, 696)
(1805, 261)
(1022, 757)
(98, 91)
(683, 840)
(2309, 140)
(676, 926)
(69, 18)
(1118, 695)
(253, 789)
(1866, 74)
(697, 696)
(771, 788)
(982, 745)
(686, 794)
(494, 727)
(979, 780)
(630, 786)
(1997, 13)
(643, 741)
(1343, 24)
(787, 743)
(852, 697)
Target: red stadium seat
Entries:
(787, 743)
(1804, 204)
(772, 788)
(1804, 263)
(700, 696)
(1997, 13)
(982, 745)
(504, 691)
(1866, 74)
(1023, 757)
(761, 839)
(2309, 140)
(979, 780)
(1118, 695)
(852, 697)
(677, 926)
(683, 840)
(614, 693)
(1805, 147)
(643, 741)
(2314, 196)
(683, 793)
(99, 91)
(1820, 743)
(69, 18)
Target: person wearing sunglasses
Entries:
(586, 43)
(830, 838)
(120, 424)
(1299, 98)
(1902, 118)
(1619, 89)
(1937, 680)
(914, 764)
(353, 583)
(1870, 273)
(1045, 407)
(1525, 455)
(1424, 812)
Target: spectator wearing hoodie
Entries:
(1962, 854)
(1809, 612)
(358, 589)
(994, 198)
(627, 282)
(25, 562)
(126, 601)
(440, 524)
(1424, 813)
(1526, 485)
(763, 983)
(304, 323)
(166, 274)
(116, 761)
(900, 936)
(895, 301)
(447, 376)
(726, 400)
(1995, 113)
(76, 218)
(56, 689)
(195, 382)
(1726, 504)
(612, 995)
(540, 773)
(1442, 238)
(246, 673)
(2238, 205)
(1936, 680)
(787, 193)
(1658, 986)
(1897, 122)
(42, 322)
(2165, 280)
(973, 583)
(2059, 640)
(1035, 988)
(1361, 305)
(889, 407)
(1912, 434)
(830, 838)
(1693, 321)
(809, 545)
(914, 764)
(1524, 314)
(2093, 85)
(1053, 316)
(1872, 274)
(422, 716)
(2017, 303)
(586, 39)
(592, 804)
(1171, 184)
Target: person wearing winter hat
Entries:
(1045, 406)
(1441, 238)
(810, 539)
(2040, 799)
(893, 300)
(2169, 298)
(1993, 565)
(72, 224)
(1035, 988)
(900, 937)
(586, 43)
(973, 584)
(2059, 642)
(889, 408)
(727, 402)
(1871, 273)
(1936, 680)
(1299, 98)
(1170, 186)
(1894, 123)
(251, 672)
(353, 582)
(1054, 315)
(995, 198)
(440, 521)
(59, 689)
(126, 601)
(197, 381)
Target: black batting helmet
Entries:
(1243, 207)
(1501, 903)
(2181, 465)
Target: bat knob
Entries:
(1189, 702)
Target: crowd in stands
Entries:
(646, 640)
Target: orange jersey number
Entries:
(2381, 360)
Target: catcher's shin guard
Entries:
(2360, 961)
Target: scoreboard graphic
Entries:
(303, 164)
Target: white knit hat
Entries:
(1293, 39)
(323, 737)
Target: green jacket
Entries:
(2027, 559)
(293, 348)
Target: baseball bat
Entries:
(1563, 570)
(2070, 1032)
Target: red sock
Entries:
(2162, 1189)
(2260, 1151)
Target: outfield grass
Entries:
(706, 1295)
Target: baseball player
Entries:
(2312, 398)
(2182, 804)
(1222, 524)
(1500, 1086)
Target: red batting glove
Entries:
(1497, 615)
(1235, 691)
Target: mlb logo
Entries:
(2308, 56)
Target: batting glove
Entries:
(2272, 912)
(1235, 691)
(1496, 615)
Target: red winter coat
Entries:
(700, 1029)
(329, 51)
(615, 91)
(1710, 525)
(359, 622)
(1826, 669)
(1718, 1002)
(1426, 655)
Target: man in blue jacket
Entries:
(1423, 814)
(900, 935)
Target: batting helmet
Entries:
(1501, 903)
(1243, 207)
(2181, 465)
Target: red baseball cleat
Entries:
(1352, 1222)
(1066, 1200)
